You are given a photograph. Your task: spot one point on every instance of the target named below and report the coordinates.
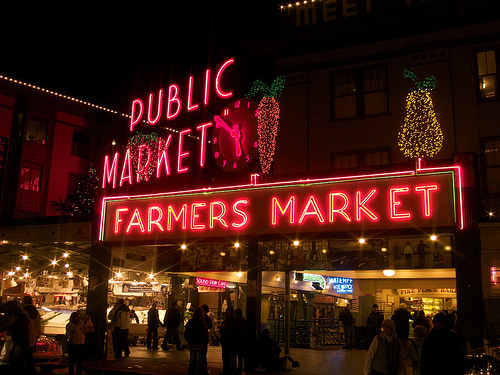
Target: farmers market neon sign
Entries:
(395, 200)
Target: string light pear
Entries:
(420, 135)
(85, 192)
(268, 119)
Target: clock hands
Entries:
(234, 132)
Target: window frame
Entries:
(485, 167)
(480, 98)
(360, 91)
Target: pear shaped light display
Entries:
(420, 135)
(268, 119)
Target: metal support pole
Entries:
(287, 312)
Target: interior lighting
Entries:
(361, 241)
(18, 268)
(239, 274)
(389, 273)
(222, 254)
(26, 275)
(118, 274)
(433, 237)
(384, 249)
(151, 276)
(69, 274)
(183, 247)
(54, 262)
(271, 252)
(296, 243)
(11, 273)
(65, 255)
(25, 257)
(237, 244)
(278, 279)
(66, 265)
(323, 251)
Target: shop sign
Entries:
(371, 202)
(341, 284)
(207, 289)
(200, 281)
(428, 293)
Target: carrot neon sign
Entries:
(371, 203)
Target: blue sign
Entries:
(341, 284)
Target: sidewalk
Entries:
(173, 362)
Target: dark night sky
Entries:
(105, 57)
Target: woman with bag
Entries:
(75, 333)
(386, 354)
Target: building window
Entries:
(30, 179)
(36, 130)
(487, 74)
(491, 163)
(80, 146)
(361, 158)
(358, 93)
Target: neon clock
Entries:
(234, 139)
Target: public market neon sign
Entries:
(118, 170)
(390, 200)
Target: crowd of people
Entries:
(435, 348)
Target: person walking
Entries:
(153, 324)
(374, 323)
(226, 329)
(442, 350)
(238, 342)
(348, 322)
(413, 353)
(124, 317)
(421, 320)
(196, 334)
(401, 318)
(75, 332)
(34, 327)
(385, 354)
(173, 319)
(17, 326)
(112, 316)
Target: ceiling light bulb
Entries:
(361, 240)
(25, 257)
(237, 244)
(65, 255)
(54, 262)
(239, 274)
(389, 273)
(296, 243)
(183, 247)
(433, 237)
(66, 265)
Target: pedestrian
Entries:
(225, 340)
(208, 320)
(386, 354)
(153, 324)
(413, 353)
(408, 252)
(268, 352)
(34, 326)
(421, 320)
(374, 323)
(124, 317)
(421, 248)
(442, 350)
(17, 326)
(238, 342)
(196, 334)
(112, 316)
(348, 322)
(173, 319)
(75, 333)
(401, 318)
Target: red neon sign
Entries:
(424, 200)
(211, 283)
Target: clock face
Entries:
(234, 139)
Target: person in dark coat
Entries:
(238, 342)
(268, 352)
(348, 321)
(153, 324)
(173, 318)
(226, 329)
(442, 351)
(401, 318)
(196, 334)
(374, 323)
(421, 320)
(17, 326)
(34, 325)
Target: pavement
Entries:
(319, 361)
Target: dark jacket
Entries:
(173, 317)
(374, 322)
(196, 333)
(442, 353)
(153, 318)
(346, 317)
(401, 318)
